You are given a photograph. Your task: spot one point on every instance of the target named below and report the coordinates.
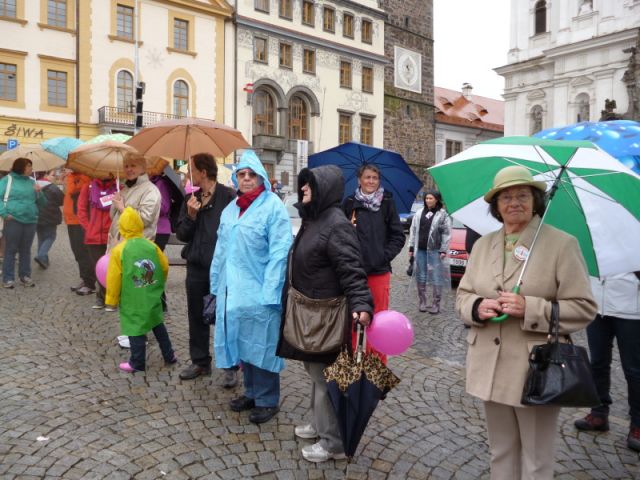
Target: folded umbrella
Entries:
(42, 160)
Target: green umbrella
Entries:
(114, 137)
(590, 194)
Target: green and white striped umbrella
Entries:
(597, 199)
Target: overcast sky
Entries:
(471, 39)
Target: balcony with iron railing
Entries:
(125, 118)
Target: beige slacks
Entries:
(324, 417)
(521, 441)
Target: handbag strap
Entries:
(554, 323)
(8, 189)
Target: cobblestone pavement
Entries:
(66, 411)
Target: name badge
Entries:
(107, 200)
(521, 252)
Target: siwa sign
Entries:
(14, 130)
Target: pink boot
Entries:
(125, 367)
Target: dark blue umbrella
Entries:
(396, 176)
(619, 138)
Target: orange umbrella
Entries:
(184, 137)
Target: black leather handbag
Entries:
(209, 310)
(559, 373)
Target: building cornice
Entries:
(381, 14)
(215, 7)
(316, 42)
(591, 43)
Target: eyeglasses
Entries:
(520, 198)
(246, 173)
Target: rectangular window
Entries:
(8, 8)
(8, 82)
(57, 13)
(260, 49)
(285, 55)
(262, 5)
(309, 61)
(366, 130)
(367, 79)
(308, 13)
(56, 88)
(452, 148)
(285, 9)
(124, 21)
(367, 31)
(347, 25)
(329, 20)
(345, 74)
(344, 134)
(180, 34)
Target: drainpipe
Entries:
(77, 68)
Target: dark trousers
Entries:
(139, 347)
(46, 237)
(600, 334)
(79, 249)
(161, 240)
(95, 253)
(19, 238)
(199, 333)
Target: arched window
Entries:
(536, 119)
(264, 113)
(583, 108)
(181, 98)
(124, 93)
(298, 119)
(541, 17)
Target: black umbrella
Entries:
(356, 383)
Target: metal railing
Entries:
(124, 117)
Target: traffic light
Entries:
(139, 92)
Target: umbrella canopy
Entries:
(619, 138)
(61, 146)
(356, 383)
(597, 198)
(42, 160)
(395, 175)
(105, 159)
(184, 137)
(114, 137)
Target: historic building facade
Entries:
(408, 83)
(566, 58)
(69, 70)
(304, 76)
(464, 119)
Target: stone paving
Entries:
(66, 411)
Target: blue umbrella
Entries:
(61, 146)
(619, 138)
(395, 175)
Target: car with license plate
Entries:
(457, 255)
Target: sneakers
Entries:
(263, 414)
(230, 378)
(633, 439)
(123, 341)
(80, 285)
(316, 453)
(84, 290)
(110, 308)
(27, 282)
(194, 371)
(306, 431)
(126, 367)
(98, 306)
(9, 284)
(598, 423)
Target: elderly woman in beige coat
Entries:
(520, 438)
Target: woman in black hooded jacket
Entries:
(325, 263)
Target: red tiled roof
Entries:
(479, 112)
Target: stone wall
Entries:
(409, 123)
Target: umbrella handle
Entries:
(504, 316)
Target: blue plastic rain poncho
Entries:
(247, 276)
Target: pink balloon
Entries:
(390, 332)
(101, 269)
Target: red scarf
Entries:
(246, 199)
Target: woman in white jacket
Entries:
(429, 238)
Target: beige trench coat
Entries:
(497, 355)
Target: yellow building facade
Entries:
(68, 69)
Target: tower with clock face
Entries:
(409, 113)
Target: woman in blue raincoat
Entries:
(247, 277)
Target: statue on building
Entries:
(631, 78)
(536, 119)
(586, 7)
(608, 112)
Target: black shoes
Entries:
(242, 403)
(598, 423)
(194, 371)
(633, 439)
(263, 414)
